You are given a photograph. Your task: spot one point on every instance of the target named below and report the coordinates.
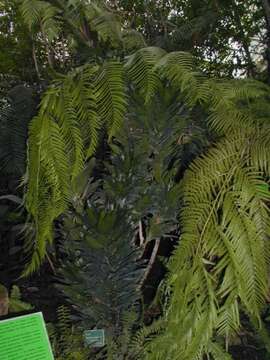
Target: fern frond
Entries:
(140, 70)
(41, 14)
(111, 96)
(140, 341)
(223, 255)
(133, 40)
(50, 21)
(218, 352)
(104, 22)
(64, 135)
(31, 12)
(231, 104)
(82, 112)
(179, 69)
(96, 17)
(64, 325)
(48, 189)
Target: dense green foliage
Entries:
(137, 143)
(228, 36)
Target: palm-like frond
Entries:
(231, 104)
(111, 96)
(41, 14)
(73, 111)
(179, 69)
(223, 255)
(84, 19)
(104, 22)
(64, 135)
(140, 69)
(48, 188)
(133, 40)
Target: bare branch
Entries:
(151, 262)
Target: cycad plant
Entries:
(134, 208)
(222, 258)
(101, 267)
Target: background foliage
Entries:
(115, 142)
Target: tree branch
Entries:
(141, 237)
(151, 262)
(35, 61)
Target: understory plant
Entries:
(188, 155)
(221, 262)
(133, 208)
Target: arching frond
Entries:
(140, 69)
(48, 189)
(31, 12)
(41, 14)
(133, 40)
(64, 135)
(81, 95)
(231, 104)
(111, 96)
(223, 255)
(104, 22)
(48, 170)
(81, 17)
(179, 69)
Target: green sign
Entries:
(25, 338)
(95, 338)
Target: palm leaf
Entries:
(223, 255)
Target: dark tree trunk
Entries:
(266, 7)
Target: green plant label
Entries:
(25, 338)
(95, 338)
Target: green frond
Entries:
(111, 96)
(133, 40)
(64, 135)
(64, 324)
(50, 21)
(142, 338)
(104, 22)
(231, 105)
(48, 187)
(80, 94)
(140, 70)
(258, 156)
(218, 352)
(179, 68)
(31, 12)
(223, 256)
(41, 14)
